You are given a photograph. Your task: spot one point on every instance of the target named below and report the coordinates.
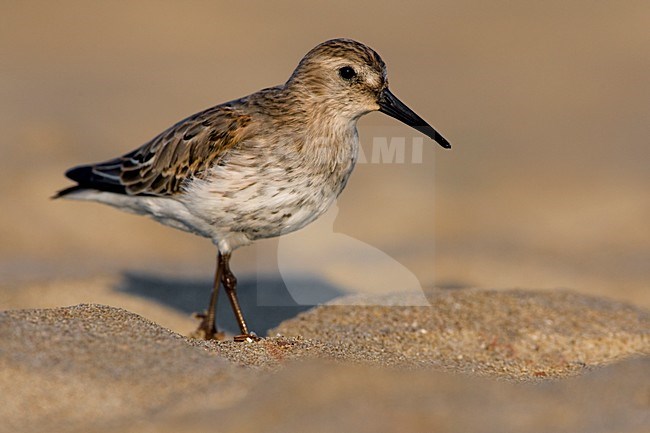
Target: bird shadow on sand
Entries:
(265, 300)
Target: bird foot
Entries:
(249, 338)
(206, 330)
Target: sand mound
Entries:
(97, 368)
(518, 334)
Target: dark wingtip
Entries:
(80, 174)
(87, 178)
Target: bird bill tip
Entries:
(389, 104)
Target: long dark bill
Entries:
(389, 104)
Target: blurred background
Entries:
(546, 105)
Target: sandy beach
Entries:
(500, 286)
(497, 359)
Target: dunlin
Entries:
(257, 167)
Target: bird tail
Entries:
(66, 191)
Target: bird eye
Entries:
(347, 73)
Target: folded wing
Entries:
(162, 166)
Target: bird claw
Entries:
(202, 334)
(248, 338)
(206, 331)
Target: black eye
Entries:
(347, 73)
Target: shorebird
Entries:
(256, 167)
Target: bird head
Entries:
(348, 79)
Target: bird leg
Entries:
(207, 330)
(230, 285)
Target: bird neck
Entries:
(312, 122)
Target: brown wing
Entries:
(161, 166)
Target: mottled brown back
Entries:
(161, 166)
